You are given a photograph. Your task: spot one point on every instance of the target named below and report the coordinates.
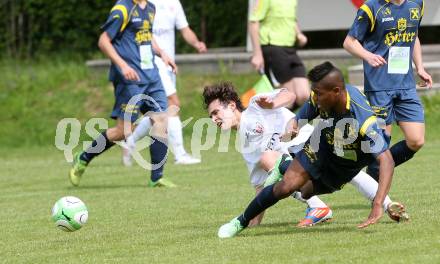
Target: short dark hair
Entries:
(320, 71)
(224, 92)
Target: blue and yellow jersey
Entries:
(130, 28)
(381, 26)
(351, 140)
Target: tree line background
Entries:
(30, 28)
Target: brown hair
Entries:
(224, 92)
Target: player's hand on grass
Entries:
(426, 78)
(257, 61)
(375, 60)
(375, 214)
(129, 73)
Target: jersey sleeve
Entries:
(363, 23)
(308, 111)
(181, 21)
(116, 21)
(259, 9)
(422, 10)
(374, 138)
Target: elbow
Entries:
(103, 39)
(100, 45)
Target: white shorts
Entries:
(167, 76)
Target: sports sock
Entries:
(158, 153)
(373, 170)
(284, 164)
(314, 202)
(175, 136)
(261, 202)
(142, 129)
(401, 153)
(92, 151)
(367, 186)
(297, 196)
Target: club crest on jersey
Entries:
(401, 24)
(259, 129)
(415, 13)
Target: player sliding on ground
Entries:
(327, 167)
(264, 153)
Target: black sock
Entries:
(98, 146)
(158, 153)
(264, 200)
(373, 170)
(401, 153)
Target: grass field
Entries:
(130, 223)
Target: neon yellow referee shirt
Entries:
(277, 21)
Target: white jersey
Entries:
(260, 131)
(169, 15)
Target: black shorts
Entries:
(283, 62)
(326, 176)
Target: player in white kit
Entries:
(260, 131)
(169, 16)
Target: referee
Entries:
(275, 34)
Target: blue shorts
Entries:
(147, 97)
(398, 105)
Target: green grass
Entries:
(130, 223)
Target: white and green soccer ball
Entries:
(69, 213)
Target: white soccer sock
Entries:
(367, 186)
(175, 137)
(142, 129)
(312, 202)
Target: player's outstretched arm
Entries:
(282, 99)
(386, 171)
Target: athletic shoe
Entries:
(161, 183)
(230, 229)
(77, 170)
(397, 212)
(127, 149)
(315, 216)
(187, 160)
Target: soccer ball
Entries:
(69, 213)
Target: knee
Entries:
(302, 95)
(285, 188)
(116, 133)
(173, 100)
(416, 144)
(268, 160)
